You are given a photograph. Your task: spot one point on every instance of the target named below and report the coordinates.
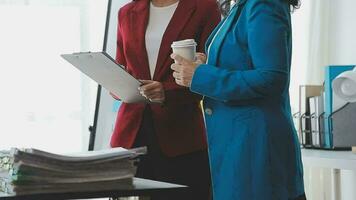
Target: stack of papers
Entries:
(31, 171)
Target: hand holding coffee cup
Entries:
(185, 57)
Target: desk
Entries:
(345, 160)
(335, 160)
(141, 187)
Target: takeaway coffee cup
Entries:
(185, 48)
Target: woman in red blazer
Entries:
(173, 129)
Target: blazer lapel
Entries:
(180, 18)
(138, 23)
(224, 30)
(211, 36)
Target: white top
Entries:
(159, 19)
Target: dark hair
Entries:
(294, 3)
(225, 5)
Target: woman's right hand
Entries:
(115, 97)
(201, 58)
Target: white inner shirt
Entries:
(159, 19)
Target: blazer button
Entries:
(208, 111)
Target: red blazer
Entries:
(178, 124)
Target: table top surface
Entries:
(141, 187)
(329, 159)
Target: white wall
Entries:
(343, 32)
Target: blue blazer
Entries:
(253, 147)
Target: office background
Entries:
(324, 34)
(47, 104)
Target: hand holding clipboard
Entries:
(100, 67)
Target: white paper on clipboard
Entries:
(100, 67)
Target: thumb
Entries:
(145, 82)
(201, 57)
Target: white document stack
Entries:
(31, 171)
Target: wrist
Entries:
(194, 74)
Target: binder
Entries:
(316, 112)
(305, 132)
(100, 67)
(314, 118)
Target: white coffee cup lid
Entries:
(184, 43)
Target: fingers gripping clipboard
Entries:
(100, 67)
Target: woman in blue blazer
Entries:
(253, 146)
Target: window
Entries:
(45, 102)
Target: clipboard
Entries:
(103, 69)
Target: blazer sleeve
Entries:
(120, 56)
(176, 94)
(268, 43)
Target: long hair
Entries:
(225, 5)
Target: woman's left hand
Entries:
(153, 91)
(184, 70)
